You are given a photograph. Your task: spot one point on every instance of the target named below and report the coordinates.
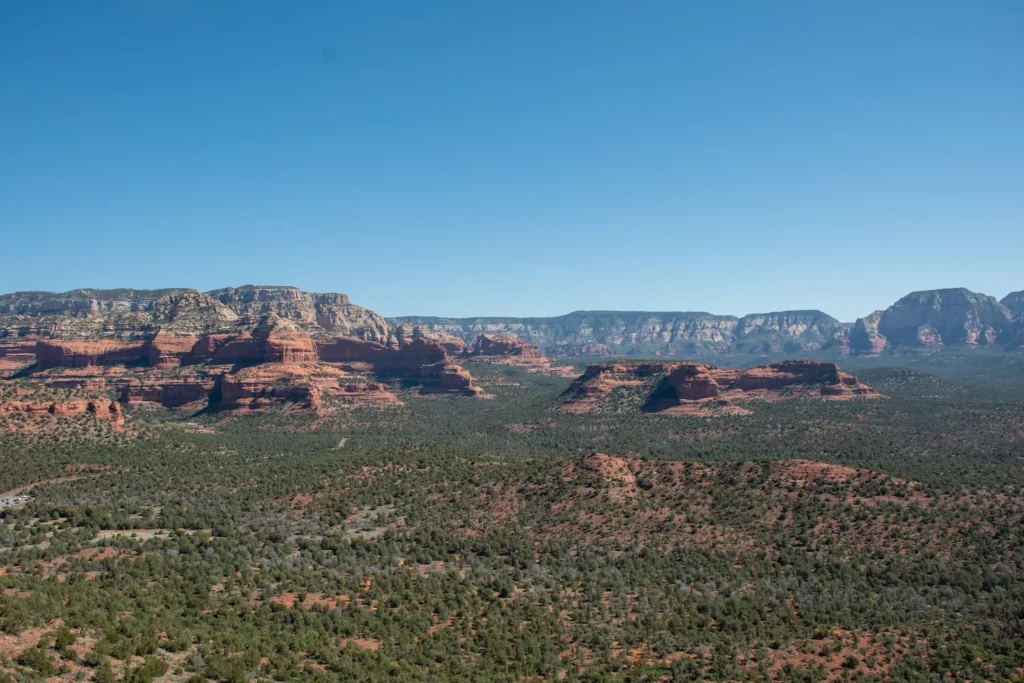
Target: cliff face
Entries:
(648, 334)
(921, 320)
(705, 390)
(490, 345)
(166, 319)
(244, 371)
(135, 314)
(936, 319)
(318, 314)
(1014, 302)
(404, 335)
(512, 351)
(102, 410)
(785, 331)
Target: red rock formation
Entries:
(512, 351)
(601, 379)
(257, 388)
(406, 359)
(167, 392)
(848, 387)
(16, 356)
(106, 411)
(489, 345)
(260, 386)
(787, 373)
(693, 383)
(692, 388)
(277, 361)
(53, 353)
(282, 345)
(165, 350)
(406, 334)
(448, 377)
(270, 343)
(229, 349)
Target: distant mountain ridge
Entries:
(925, 320)
(639, 333)
(920, 321)
(130, 313)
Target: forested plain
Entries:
(501, 539)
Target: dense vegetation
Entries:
(463, 540)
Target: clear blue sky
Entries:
(517, 158)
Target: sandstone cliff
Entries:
(697, 389)
(404, 334)
(515, 352)
(935, 319)
(1014, 302)
(127, 314)
(318, 314)
(27, 411)
(248, 368)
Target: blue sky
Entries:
(527, 158)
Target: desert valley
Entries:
(259, 483)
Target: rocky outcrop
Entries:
(449, 378)
(691, 382)
(624, 332)
(272, 360)
(319, 314)
(785, 374)
(81, 302)
(865, 338)
(128, 315)
(403, 360)
(190, 313)
(783, 332)
(167, 350)
(922, 320)
(302, 385)
(404, 335)
(286, 344)
(53, 353)
(105, 411)
(16, 356)
(490, 345)
(599, 380)
(1014, 302)
(167, 392)
(239, 348)
(698, 389)
(935, 319)
(259, 387)
(272, 341)
(512, 351)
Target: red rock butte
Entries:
(698, 389)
